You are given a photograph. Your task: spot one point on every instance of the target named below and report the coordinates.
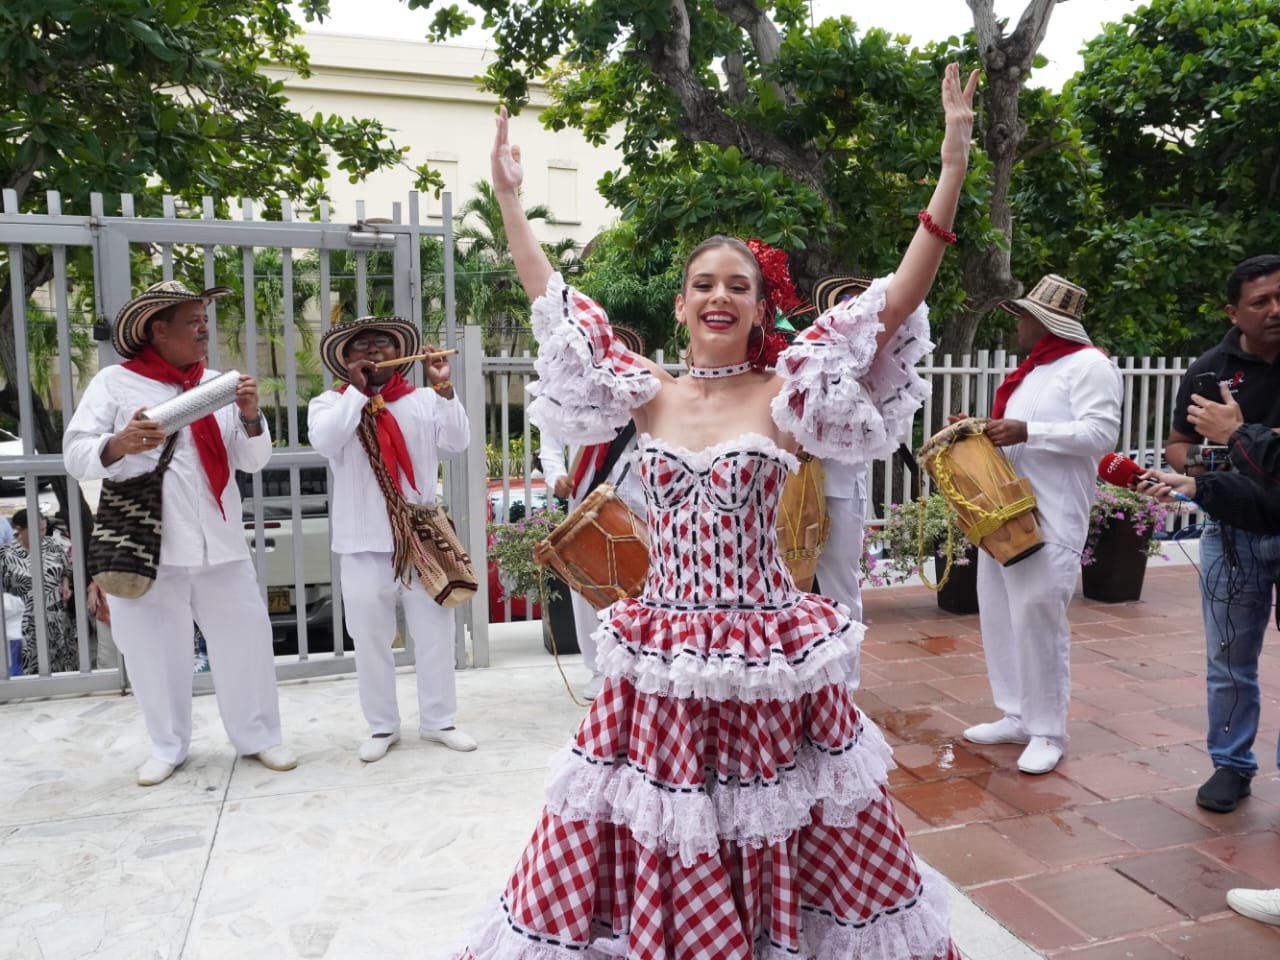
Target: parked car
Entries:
(11, 446)
(278, 538)
(521, 609)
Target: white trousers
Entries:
(369, 593)
(838, 573)
(155, 635)
(586, 621)
(1026, 637)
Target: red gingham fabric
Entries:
(723, 799)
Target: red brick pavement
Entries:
(1108, 857)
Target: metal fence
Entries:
(292, 277)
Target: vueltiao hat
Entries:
(829, 291)
(335, 340)
(128, 336)
(1058, 304)
(630, 339)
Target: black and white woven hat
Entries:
(1058, 304)
(335, 340)
(829, 291)
(129, 334)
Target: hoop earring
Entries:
(683, 347)
(759, 348)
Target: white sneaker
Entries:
(453, 738)
(376, 747)
(155, 771)
(1041, 756)
(278, 757)
(592, 688)
(1261, 905)
(1004, 730)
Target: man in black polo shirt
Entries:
(1238, 570)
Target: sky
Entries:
(1072, 24)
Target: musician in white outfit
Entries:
(415, 427)
(575, 477)
(1054, 417)
(204, 574)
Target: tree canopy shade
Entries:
(1179, 101)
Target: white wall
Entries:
(426, 94)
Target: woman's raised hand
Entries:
(957, 105)
(507, 173)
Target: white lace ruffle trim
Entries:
(692, 824)
(577, 396)
(844, 399)
(686, 671)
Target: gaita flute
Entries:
(417, 356)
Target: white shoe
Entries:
(453, 738)
(278, 757)
(1041, 756)
(1261, 905)
(155, 771)
(376, 747)
(1004, 730)
(592, 688)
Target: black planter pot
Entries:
(559, 633)
(1119, 564)
(960, 593)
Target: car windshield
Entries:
(276, 501)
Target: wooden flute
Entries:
(417, 356)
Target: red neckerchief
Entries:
(1048, 348)
(390, 440)
(205, 431)
(593, 457)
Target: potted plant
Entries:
(911, 532)
(511, 548)
(1122, 527)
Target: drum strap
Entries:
(616, 449)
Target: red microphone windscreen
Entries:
(1113, 468)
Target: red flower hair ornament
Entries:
(781, 301)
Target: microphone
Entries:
(1121, 471)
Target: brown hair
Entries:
(733, 243)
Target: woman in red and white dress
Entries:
(724, 798)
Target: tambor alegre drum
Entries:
(601, 550)
(994, 506)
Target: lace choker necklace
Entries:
(710, 373)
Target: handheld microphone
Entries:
(1121, 471)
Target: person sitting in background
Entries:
(15, 575)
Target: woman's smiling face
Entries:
(721, 301)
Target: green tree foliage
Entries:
(1179, 101)
(158, 96)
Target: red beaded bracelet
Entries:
(942, 233)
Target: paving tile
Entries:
(1088, 738)
(1041, 794)
(975, 854)
(893, 650)
(1130, 948)
(1100, 901)
(1257, 855)
(1187, 880)
(1150, 669)
(909, 671)
(1183, 763)
(1082, 653)
(965, 665)
(1177, 692)
(939, 761)
(1229, 938)
(1253, 815)
(964, 689)
(1146, 823)
(1117, 701)
(1099, 676)
(1063, 838)
(1026, 917)
(1113, 777)
(905, 696)
(948, 802)
(1099, 630)
(919, 726)
(946, 645)
(1149, 729)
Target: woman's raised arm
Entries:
(919, 265)
(507, 175)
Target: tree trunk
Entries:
(1006, 60)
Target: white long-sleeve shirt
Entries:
(556, 465)
(1072, 411)
(431, 426)
(194, 532)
